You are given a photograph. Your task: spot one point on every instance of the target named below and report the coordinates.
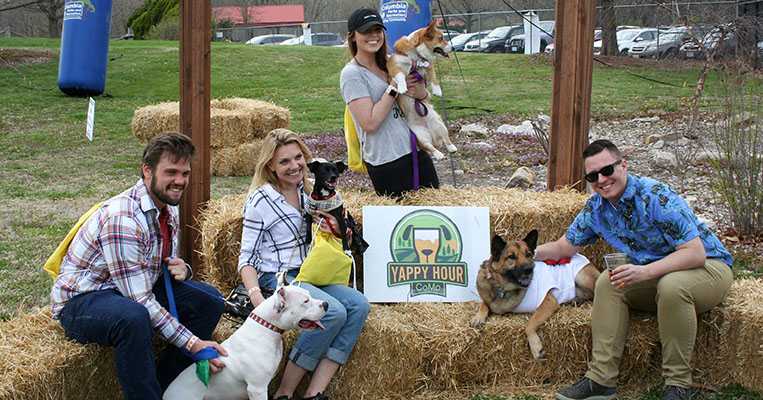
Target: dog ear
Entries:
(531, 239)
(496, 247)
(313, 165)
(281, 301)
(340, 167)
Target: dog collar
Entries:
(266, 324)
(501, 292)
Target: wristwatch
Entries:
(391, 91)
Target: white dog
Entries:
(254, 350)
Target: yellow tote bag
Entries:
(53, 265)
(354, 154)
(326, 263)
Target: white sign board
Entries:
(419, 254)
(90, 119)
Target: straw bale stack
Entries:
(236, 127)
(232, 121)
(729, 345)
(39, 363)
(425, 351)
(152, 120)
(235, 160)
(264, 116)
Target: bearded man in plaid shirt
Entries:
(110, 289)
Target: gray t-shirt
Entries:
(391, 140)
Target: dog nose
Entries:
(325, 306)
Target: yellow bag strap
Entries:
(53, 265)
(354, 154)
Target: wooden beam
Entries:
(571, 92)
(195, 16)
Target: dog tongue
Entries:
(311, 325)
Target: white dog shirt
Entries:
(559, 279)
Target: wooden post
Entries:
(571, 92)
(194, 117)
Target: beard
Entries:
(164, 194)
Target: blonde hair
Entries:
(274, 140)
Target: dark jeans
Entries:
(396, 177)
(107, 318)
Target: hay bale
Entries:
(40, 363)
(264, 116)
(231, 121)
(152, 120)
(221, 224)
(425, 351)
(729, 345)
(229, 128)
(236, 160)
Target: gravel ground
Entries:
(491, 153)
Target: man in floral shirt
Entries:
(678, 269)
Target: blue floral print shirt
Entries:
(649, 221)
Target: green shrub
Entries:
(167, 29)
(739, 143)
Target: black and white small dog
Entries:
(324, 197)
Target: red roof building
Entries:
(261, 15)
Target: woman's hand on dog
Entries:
(325, 219)
(215, 364)
(416, 88)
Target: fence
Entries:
(648, 15)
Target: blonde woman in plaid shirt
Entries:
(274, 239)
(110, 288)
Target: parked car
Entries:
(627, 38)
(666, 44)
(318, 39)
(517, 42)
(495, 41)
(447, 35)
(461, 40)
(596, 36)
(270, 39)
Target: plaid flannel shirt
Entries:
(271, 227)
(119, 247)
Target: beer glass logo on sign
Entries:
(426, 250)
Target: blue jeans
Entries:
(344, 320)
(107, 318)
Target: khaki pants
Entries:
(676, 297)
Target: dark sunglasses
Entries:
(606, 171)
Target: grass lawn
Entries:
(50, 173)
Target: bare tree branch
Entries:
(15, 6)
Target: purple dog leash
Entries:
(417, 104)
(415, 154)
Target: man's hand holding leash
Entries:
(215, 364)
(177, 268)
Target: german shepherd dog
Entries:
(324, 197)
(504, 278)
(416, 53)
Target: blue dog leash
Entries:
(202, 356)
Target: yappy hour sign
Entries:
(424, 253)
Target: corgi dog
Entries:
(416, 53)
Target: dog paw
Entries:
(476, 323)
(539, 355)
(437, 155)
(436, 90)
(452, 148)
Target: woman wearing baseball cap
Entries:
(366, 87)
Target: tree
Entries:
(51, 9)
(608, 28)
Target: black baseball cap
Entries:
(363, 19)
